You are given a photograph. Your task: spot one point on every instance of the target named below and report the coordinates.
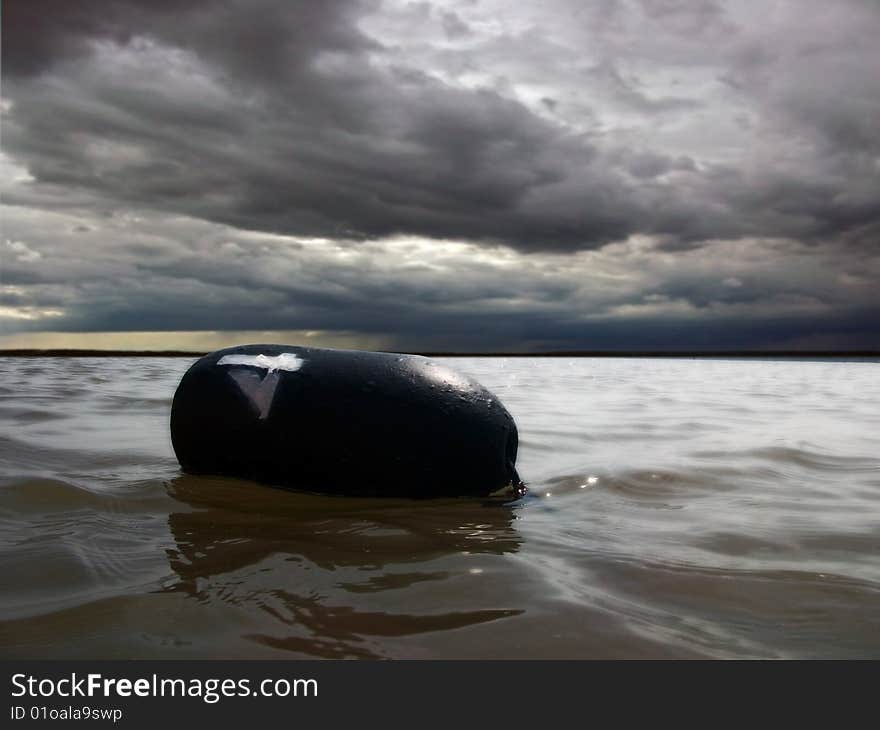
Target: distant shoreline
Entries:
(738, 354)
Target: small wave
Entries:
(30, 495)
(22, 458)
(644, 483)
(787, 455)
(28, 416)
(60, 557)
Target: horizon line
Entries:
(96, 352)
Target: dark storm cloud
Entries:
(288, 146)
(162, 274)
(289, 118)
(572, 174)
(254, 37)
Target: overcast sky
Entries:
(641, 174)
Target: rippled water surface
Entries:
(678, 508)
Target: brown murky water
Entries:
(678, 508)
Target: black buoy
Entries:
(343, 422)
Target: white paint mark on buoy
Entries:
(285, 361)
(260, 390)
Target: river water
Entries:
(677, 508)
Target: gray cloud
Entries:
(727, 141)
(295, 121)
(153, 272)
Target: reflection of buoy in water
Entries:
(343, 422)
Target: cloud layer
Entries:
(467, 175)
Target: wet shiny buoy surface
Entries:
(343, 422)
